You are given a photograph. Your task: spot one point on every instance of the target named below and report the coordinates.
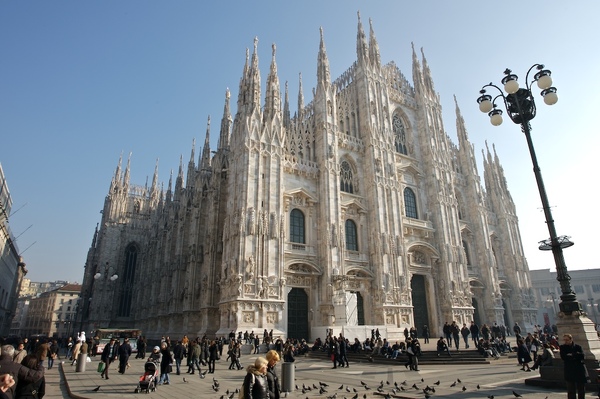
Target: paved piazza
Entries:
(500, 379)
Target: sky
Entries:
(83, 82)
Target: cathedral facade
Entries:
(356, 211)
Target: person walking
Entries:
(425, 334)
(272, 380)
(576, 374)
(523, 355)
(166, 364)
(474, 329)
(465, 332)
(179, 355)
(194, 358)
(255, 384)
(31, 389)
(124, 353)
(109, 354)
(213, 356)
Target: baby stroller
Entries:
(147, 381)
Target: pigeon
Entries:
(323, 384)
(341, 386)
(363, 383)
(517, 395)
(215, 382)
(478, 387)
(203, 375)
(216, 389)
(355, 390)
(232, 395)
(422, 380)
(387, 382)
(367, 387)
(184, 380)
(355, 396)
(437, 382)
(464, 388)
(490, 396)
(315, 387)
(427, 396)
(322, 391)
(404, 382)
(347, 388)
(459, 381)
(303, 390)
(402, 388)
(453, 384)
(96, 389)
(297, 387)
(415, 386)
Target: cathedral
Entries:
(355, 211)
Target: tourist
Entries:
(256, 385)
(272, 380)
(109, 355)
(576, 374)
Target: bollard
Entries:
(287, 377)
(81, 360)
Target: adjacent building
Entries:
(12, 267)
(585, 284)
(355, 210)
(53, 313)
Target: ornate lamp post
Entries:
(520, 107)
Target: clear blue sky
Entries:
(82, 82)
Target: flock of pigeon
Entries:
(386, 390)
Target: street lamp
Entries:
(520, 107)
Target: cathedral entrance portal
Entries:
(297, 305)
(419, 301)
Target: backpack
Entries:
(242, 394)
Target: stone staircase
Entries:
(427, 358)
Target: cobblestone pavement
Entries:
(498, 379)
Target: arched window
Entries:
(399, 135)
(351, 236)
(127, 281)
(297, 226)
(346, 178)
(410, 203)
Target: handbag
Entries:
(169, 368)
(101, 367)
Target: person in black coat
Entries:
(124, 353)
(18, 372)
(575, 373)
(523, 355)
(109, 354)
(272, 380)
(256, 385)
(31, 390)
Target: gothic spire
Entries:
(179, 180)
(286, 108)
(226, 122)
(273, 94)
(205, 163)
(116, 180)
(300, 98)
(254, 75)
(427, 74)
(127, 173)
(323, 77)
(362, 49)
(374, 55)
(191, 165)
(154, 187)
(416, 71)
(169, 188)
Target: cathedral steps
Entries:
(427, 358)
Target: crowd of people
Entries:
(22, 365)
